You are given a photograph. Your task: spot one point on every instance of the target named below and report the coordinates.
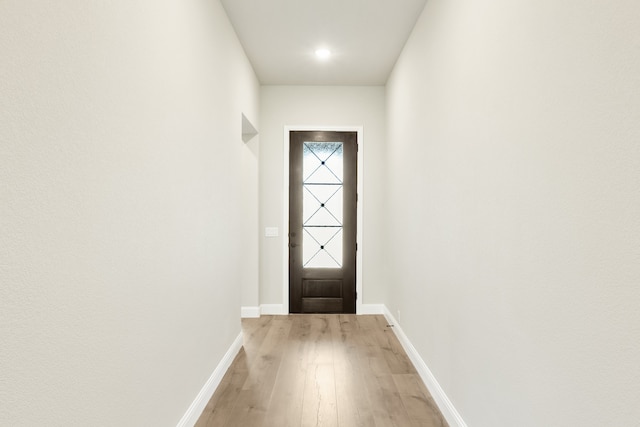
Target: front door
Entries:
(322, 222)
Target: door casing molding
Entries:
(285, 208)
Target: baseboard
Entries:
(444, 404)
(273, 309)
(279, 309)
(249, 312)
(190, 418)
(370, 309)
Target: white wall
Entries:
(514, 177)
(123, 182)
(249, 295)
(281, 106)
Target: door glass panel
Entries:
(322, 204)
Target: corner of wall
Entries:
(445, 405)
(194, 412)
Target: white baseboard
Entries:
(279, 309)
(370, 309)
(249, 312)
(444, 404)
(273, 309)
(190, 418)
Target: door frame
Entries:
(285, 197)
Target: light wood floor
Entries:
(321, 370)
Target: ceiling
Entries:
(365, 38)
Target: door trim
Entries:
(285, 196)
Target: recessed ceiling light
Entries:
(323, 53)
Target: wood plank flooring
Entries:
(321, 370)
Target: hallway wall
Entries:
(514, 231)
(127, 199)
(321, 106)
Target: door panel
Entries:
(322, 222)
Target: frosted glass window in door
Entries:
(322, 201)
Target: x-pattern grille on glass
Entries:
(322, 204)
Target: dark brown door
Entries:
(322, 222)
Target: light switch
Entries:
(271, 232)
